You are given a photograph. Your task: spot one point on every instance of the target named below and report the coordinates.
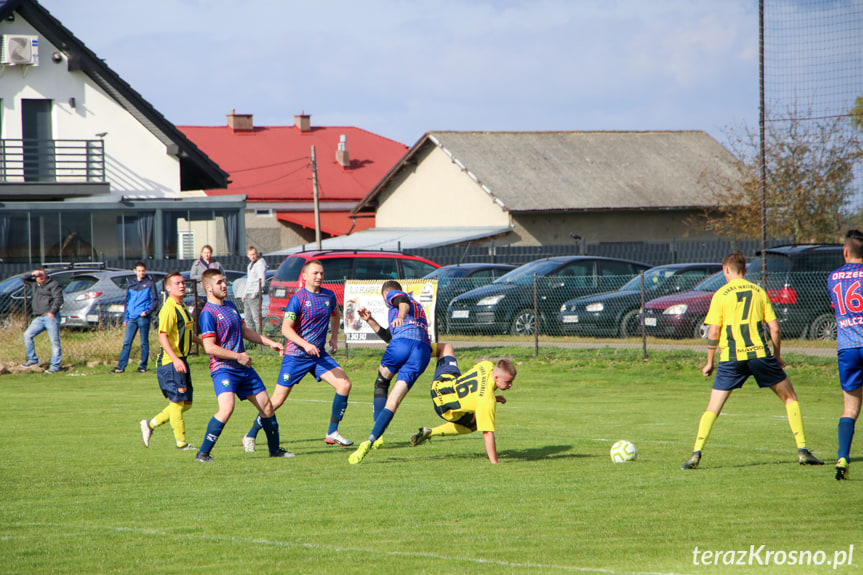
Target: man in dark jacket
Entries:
(141, 302)
(46, 302)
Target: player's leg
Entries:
(280, 395)
(382, 390)
(216, 425)
(399, 391)
(717, 400)
(337, 378)
(785, 392)
(293, 369)
(269, 423)
(850, 413)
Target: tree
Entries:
(810, 175)
(857, 113)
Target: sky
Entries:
(399, 68)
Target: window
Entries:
(186, 245)
(377, 269)
(337, 269)
(416, 269)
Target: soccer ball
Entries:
(622, 451)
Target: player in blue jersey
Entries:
(407, 354)
(845, 286)
(223, 331)
(310, 312)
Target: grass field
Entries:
(81, 494)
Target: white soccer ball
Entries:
(622, 451)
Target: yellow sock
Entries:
(450, 429)
(178, 423)
(705, 425)
(795, 420)
(162, 418)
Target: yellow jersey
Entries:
(739, 308)
(471, 392)
(175, 321)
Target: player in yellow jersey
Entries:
(736, 313)
(467, 401)
(176, 334)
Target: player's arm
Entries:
(335, 318)
(165, 342)
(776, 338)
(712, 342)
(289, 331)
(404, 308)
(212, 347)
(490, 445)
(255, 337)
(382, 332)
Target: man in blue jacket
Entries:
(141, 302)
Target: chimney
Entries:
(342, 155)
(240, 122)
(303, 122)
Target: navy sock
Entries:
(340, 404)
(378, 404)
(381, 424)
(256, 427)
(214, 430)
(271, 428)
(846, 435)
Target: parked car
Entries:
(97, 297)
(507, 304)
(338, 266)
(12, 296)
(797, 286)
(681, 315)
(457, 279)
(617, 313)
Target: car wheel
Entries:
(700, 330)
(524, 323)
(823, 327)
(629, 325)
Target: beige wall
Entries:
(555, 228)
(440, 192)
(268, 234)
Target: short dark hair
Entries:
(854, 243)
(508, 366)
(390, 285)
(142, 264)
(736, 261)
(172, 274)
(208, 275)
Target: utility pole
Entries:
(316, 201)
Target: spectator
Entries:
(141, 302)
(47, 299)
(202, 264)
(256, 277)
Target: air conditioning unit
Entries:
(19, 50)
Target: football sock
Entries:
(178, 424)
(795, 420)
(162, 418)
(214, 430)
(450, 429)
(271, 428)
(256, 427)
(381, 423)
(705, 426)
(846, 436)
(340, 404)
(382, 389)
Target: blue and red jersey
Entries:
(225, 324)
(416, 325)
(310, 313)
(845, 286)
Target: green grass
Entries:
(80, 494)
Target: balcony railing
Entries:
(43, 161)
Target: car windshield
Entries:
(653, 278)
(776, 263)
(524, 274)
(453, 272)
(712, 283)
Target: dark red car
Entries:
(682, 315)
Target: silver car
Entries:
(94, 298)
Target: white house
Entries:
(89, 170)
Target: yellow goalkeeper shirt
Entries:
(471, 392)
(175, 321)
(739, 308)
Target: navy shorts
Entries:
(407, 357)
(244, 382)
(295, 368)
(171, 381)
(447, 365)
(732, 374)
(851, 368)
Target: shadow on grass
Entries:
(546, 452)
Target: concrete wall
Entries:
(136, 161)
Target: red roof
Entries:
(274, 163)
(332, 223)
